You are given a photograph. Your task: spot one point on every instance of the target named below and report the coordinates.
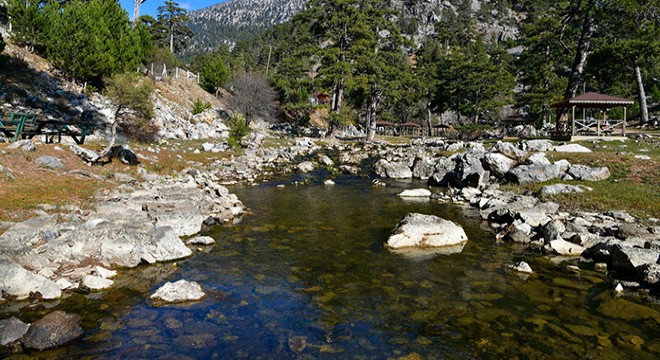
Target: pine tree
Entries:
(92, 40)
(171, 16)
(30, 22)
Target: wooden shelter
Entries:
(410, 128)
(512, 121)
(384, 127)
(442, 129)
(589, 124)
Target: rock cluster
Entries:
(475, 167)
(136, 224)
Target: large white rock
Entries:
(563, 189)
(416, 193)
(572, 148)
(418, 230)
(96, 282)
(16, 281)
(180, 291)
(563, 247)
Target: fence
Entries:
(161, 71)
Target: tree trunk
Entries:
(643, 106)
(581, 53)
(337, 95)
(172, 39)
(372, 110)
(428, 119)
(580, 60)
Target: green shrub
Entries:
(238, 129)
(131, 91)
(199, 106)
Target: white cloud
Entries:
(185, 5)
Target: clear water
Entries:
(307, 276)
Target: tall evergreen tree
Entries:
(92, 40)
(172, 17)
(30, 22)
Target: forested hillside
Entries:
(466, 62)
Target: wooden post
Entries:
(573, 123)
(623, 127)
(176, 76)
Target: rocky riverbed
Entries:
(146, 220)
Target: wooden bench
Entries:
(16, 124)
(26, 126)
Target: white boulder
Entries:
(572, 148)
(180, 291)
(418, 230)
(416, 193)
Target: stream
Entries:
(307, 276)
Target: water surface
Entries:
(307, 276)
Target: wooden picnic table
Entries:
(26, 126)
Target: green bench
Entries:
(26, 126)
(14, 127)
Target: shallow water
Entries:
(307, 276)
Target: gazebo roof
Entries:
(383, 123)
(593, 100)
(410, 124)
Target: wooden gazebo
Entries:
(410, 128)
(512, 121)
(384, 127)
(590, 125)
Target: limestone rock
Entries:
(628, 258)
(572, 148)
(525, 174)
(202, 240)
(498, 164)
(581, 172)
(563, 247)
(49, 162)
(11, 330)
(539, 145)
(416, 193)
(24, 145)
(522, 267)
(53, 330)
(306, 167)
(180, 291)
(563, 189)
(96, 282)
(418, 230)
(393, 170)
(16, 281)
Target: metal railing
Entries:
(161, 71)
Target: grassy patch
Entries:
(633, 187)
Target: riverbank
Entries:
(142, 216)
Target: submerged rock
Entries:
(53, 330)
(202, 240)
(180, 291)
(11, 330)
(418, 230)
(522, 267)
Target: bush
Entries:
(199, 106)
(238, 129)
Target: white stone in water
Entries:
(522, 267)
(418, 193)
(105, 273)
(180, 291)
(96, 282)
(563, 247)
(418, 230)
(618, 289)
(202, 240)
(65, 284)
(329, 182)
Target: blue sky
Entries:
(150, 6)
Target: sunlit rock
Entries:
(425, 231)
